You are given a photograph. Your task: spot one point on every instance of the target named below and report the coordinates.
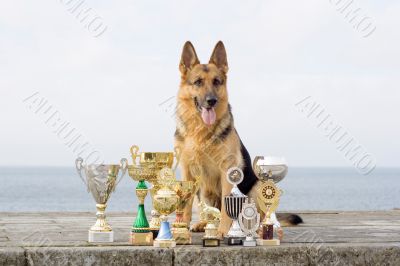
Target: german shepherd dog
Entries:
(206, 135)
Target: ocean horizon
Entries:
(42, 188)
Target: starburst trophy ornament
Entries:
(165, 201)
(249, 221)
(101, 180)
(270, 170)
(233, 206)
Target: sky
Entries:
(115, 81)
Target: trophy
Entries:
(249, 221)
(153, 162)
(140, 233)
(212, 216)
(233, 206)
(269, 170)
(165, 201)
(185, 191)
(101, 180)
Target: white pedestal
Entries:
(101, 237)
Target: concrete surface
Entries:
(326, 238)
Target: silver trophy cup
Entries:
(101, 180)
(233, 207)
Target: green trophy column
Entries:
(141, 235)
(141, 223)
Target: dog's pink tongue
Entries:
(208, 116)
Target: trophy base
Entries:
(249, 243)
(182, 236)
(164, 243)
(211, 242)
(268, 242)
(141, 239)
(231, 241)
(101, 237)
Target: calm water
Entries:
(60, 189)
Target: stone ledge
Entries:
(193, 255)
(12, 256)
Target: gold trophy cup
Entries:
(101, 180)
(165, 201)
(154, 162)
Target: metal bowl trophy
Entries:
(101, 180)
(165, 201)
(249, 221)
(233, 206)
(180, 229)
(270, 170)
(212, 216)
(147, 169)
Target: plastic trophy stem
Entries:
(101, 180)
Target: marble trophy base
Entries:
(141, 239)
(101, 237)
(182, 236)
(268, 242)
(164, 243)
(249, 242)
(233, 240)
(211, 242)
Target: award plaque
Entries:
(233, 207)
(101, 180)
(249, 221)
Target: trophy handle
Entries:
(124, 166)
(255, 166)
(177, 156)
(134, 153)
(79, 168)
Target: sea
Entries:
(39, 189)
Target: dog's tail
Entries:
(289, 219)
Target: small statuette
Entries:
(185, 191)
(212, 216)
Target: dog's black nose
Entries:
(211, 101)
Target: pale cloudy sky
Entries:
(279, 52)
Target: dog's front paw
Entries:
(198, 227)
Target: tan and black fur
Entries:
(209, 149)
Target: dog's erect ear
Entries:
(219, 58)
(188, 58)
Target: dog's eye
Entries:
(217, 82)
(198, 82)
